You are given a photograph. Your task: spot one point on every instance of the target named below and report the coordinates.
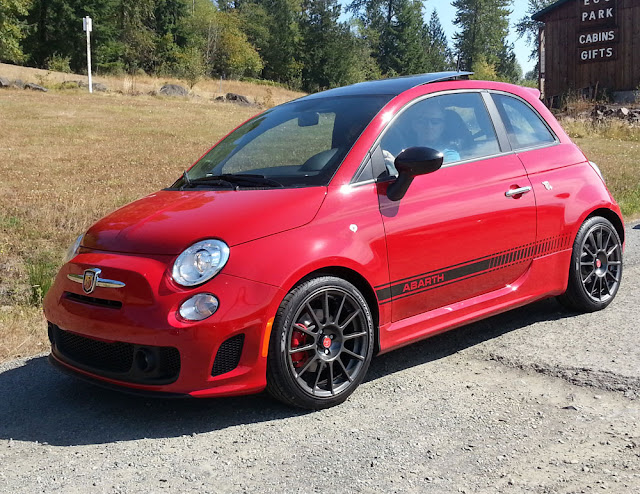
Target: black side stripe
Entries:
(407, 287)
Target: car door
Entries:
(461, 231)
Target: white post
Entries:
(87, 26)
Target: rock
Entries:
(98, 86)
(35, 87)
(4, 82)
(18, 83)
(237, 98)
(623, 112)
(173, 90)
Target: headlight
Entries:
(73, 250)
(200, 262)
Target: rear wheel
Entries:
(321, 344)
(596, 267)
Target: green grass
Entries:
(41, 271)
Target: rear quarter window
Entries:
(524, 125)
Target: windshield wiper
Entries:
(248, 178)
(195, 182)
(231, 180)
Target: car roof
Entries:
(392, 87)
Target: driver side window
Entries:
(458, 125)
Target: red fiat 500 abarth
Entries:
(326, 230)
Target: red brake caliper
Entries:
(298, 339)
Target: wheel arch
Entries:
(612, 217)
(361, 283)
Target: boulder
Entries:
(98, 86)
(237, 98)
(173, 90)
(4, 82)
(19, 83)
(35, 87)
(623, 112)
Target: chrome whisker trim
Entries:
(78, 278)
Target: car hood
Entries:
(167, 222)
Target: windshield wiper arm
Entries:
(249, 178)
(213, 180)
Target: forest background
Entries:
(305, 45)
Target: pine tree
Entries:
(438, 53)
(281, 54)
(327, 47)
(484, 26)
(395, 30)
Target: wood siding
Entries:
(565, 71)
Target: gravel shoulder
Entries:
(535, 400)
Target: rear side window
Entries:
(524, 126)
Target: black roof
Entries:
(392, 86)
(538, 15)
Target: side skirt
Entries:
(547, 277)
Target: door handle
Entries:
(517, 192)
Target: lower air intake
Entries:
(228, 355)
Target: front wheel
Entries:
(596, 267)
(321, 344)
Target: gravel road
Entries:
(536, 400)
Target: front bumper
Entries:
(142, 315)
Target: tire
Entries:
(321, 344)
(596, 267)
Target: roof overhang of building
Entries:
(538, 16)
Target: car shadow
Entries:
(451, 342)
(41, 404)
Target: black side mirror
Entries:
(410, 163)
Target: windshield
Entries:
(298, 144)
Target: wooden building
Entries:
(589, 46)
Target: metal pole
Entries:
(88, 28)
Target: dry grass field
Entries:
(67, 158)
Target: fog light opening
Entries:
(199, 307)
(145, 361)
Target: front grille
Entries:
(141, 364)
(110, 357)
(228, 355)
(100, 302)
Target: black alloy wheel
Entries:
(596, 266)
(321, 344)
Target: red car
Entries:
(341, 225)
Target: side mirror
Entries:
(410, 163)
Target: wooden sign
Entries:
(602, 54)
(598, 35)
(597, 13)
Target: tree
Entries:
(281, 54)
(12, 28)
(528, 28)
(326, 46)
(438, 53)
(395, 29)
(218, 38)
(484, 26)
(508, 67)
